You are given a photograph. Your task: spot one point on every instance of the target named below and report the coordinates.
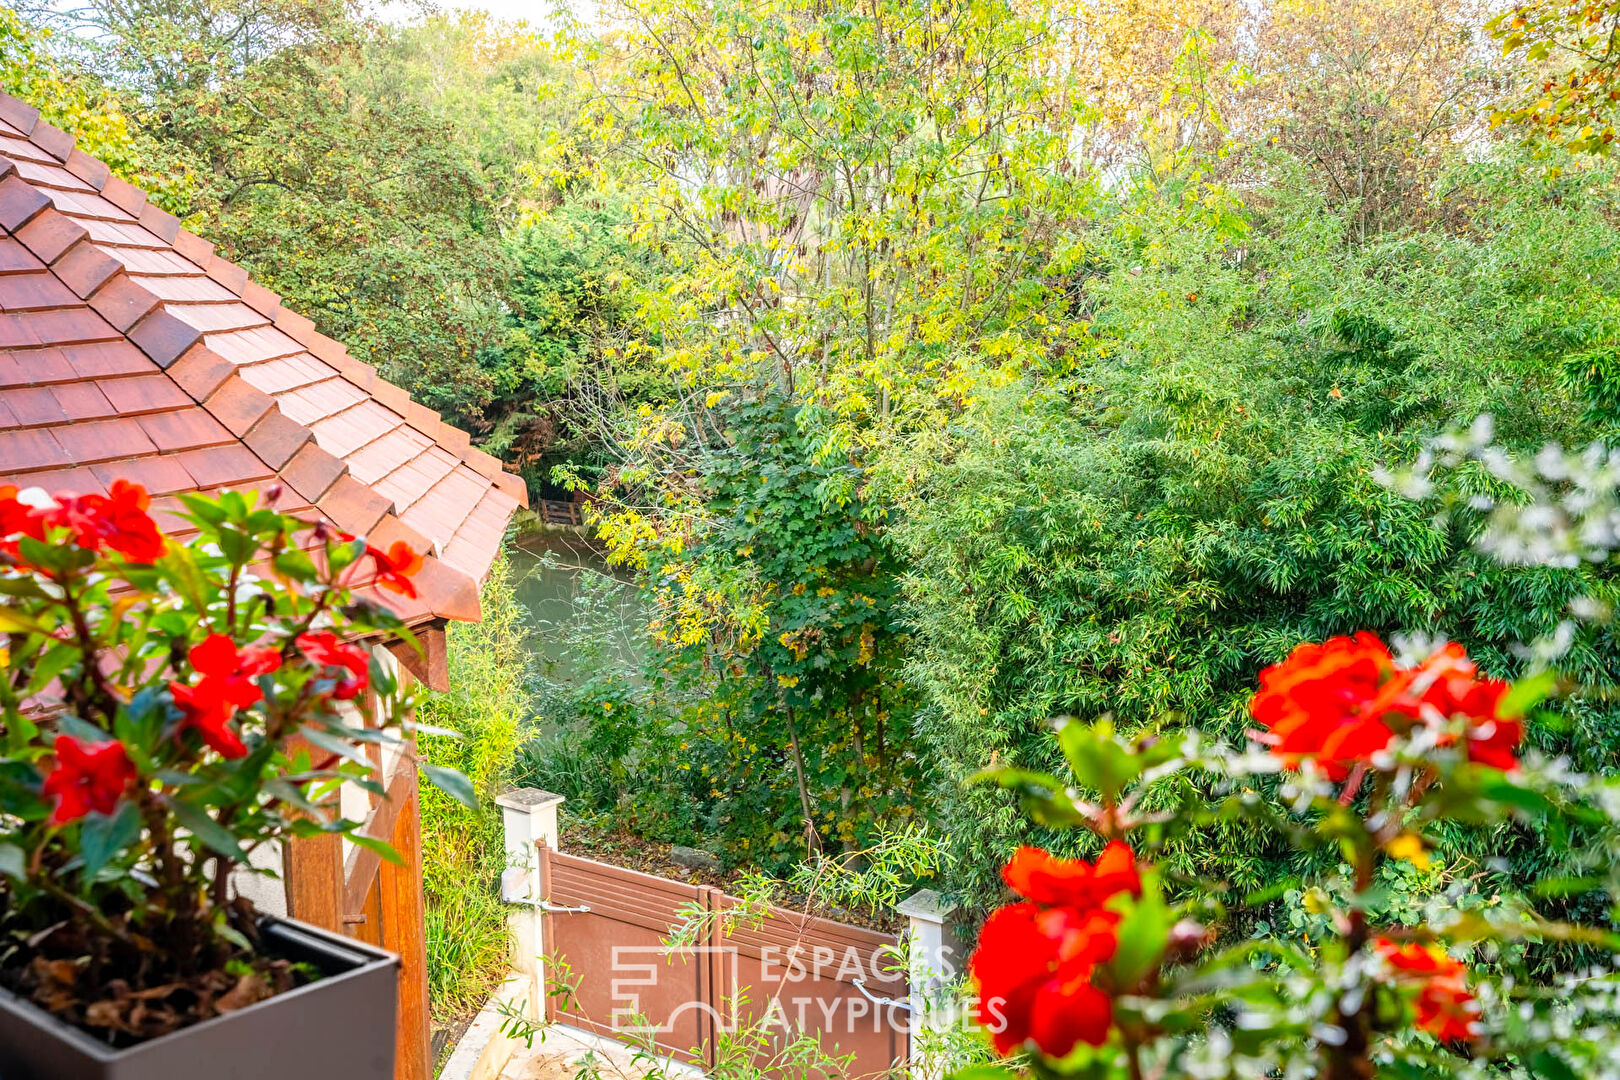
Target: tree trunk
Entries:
(812, 841)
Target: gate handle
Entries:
(886, 1002)
(547, 905)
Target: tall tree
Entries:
(1572, 50)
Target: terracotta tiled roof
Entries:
(129, 349)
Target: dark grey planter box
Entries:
(340, 1027)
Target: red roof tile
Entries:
(39, 290)
(33, 406)
(15, 257)
(103, 440)
(182, 429)
(83, 400)
(106, 358)
(30, 449)
(51, 234)
(144, 393)
(183, 374)
(231, 465)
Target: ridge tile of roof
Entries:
(130, 348)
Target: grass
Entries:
(463, 851)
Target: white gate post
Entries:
(530, 817)
(933, 963)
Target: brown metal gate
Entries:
(604, 933)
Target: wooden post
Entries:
(314, 868)
(314, 872)
(404, 932)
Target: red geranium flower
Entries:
(87, 776)
(117, 520)
(1306, 700)
(1450, 685)
(395, 567)
(1039, 876)
(207, 709)
(127, 527)
(1035, 960)
(1341, 702)
(325, 650)
(227, 684)
(1034, 966)
(234, 670)
(1494, 743)
(1445, 1006)
(17, 519)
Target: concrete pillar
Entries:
(530, 818)
(935, 966)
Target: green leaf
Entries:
(984, 1072)
(334, 745)
(1040, 794)
(83, 730)
(1527, 693)
(382, 677)
(175, 778)
(179, 566)
(232, 935)
(381, 847)
(293, 795)
(13, 621)
(19, 791)
(295, 564)
(1143, 934)
(1546, 1065)
(237, 546)
(58, 559)
(1567, 886)
(1098, 760)
(101, 836)
(207, 511)
(52, 663)
(207, 830)
(1505, 791)
(452, 783)
(25, 587)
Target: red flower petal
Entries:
(215, 656)
(87, 776)
(1062, 1016)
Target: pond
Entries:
(559, 583)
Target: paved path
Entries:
(567, 1053)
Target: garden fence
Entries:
(595, 945)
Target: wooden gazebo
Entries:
(129, 349)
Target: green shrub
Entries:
(1142, 537)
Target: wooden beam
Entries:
(404, 931)
(432, 664)
(383, 824)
